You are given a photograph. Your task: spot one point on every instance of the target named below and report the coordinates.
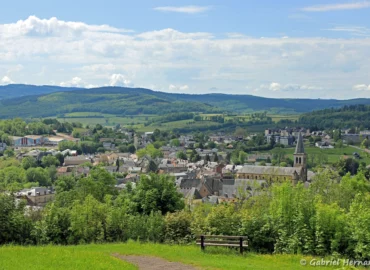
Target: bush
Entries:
(177, 227)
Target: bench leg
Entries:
(241, 245)
(202, 243)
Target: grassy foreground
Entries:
(99, 257)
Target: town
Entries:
(207, 168)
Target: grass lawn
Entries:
(99, 257)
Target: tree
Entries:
(38, 175)
(60, 157)
(152, 167)
(156, 193)
(131, 148)
(242, 157)
(181, 155)
(9, 153)
(117, 164)
(149, 150)
(28, 162)
(211, 145)
(278, 154)
(240, 132)
(49, 160)
(175, 142)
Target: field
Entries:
(138, 121)
(334, 154)
(100, 257)
(176, 124)
(93, 118)
(277, 117)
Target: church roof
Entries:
(269, 170)
(299, 149)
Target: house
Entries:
(37, 154)
(54, 140)
(22, 141)
(285, 140)
(72, 170)
(109, 146)
(134, 170)
(324, 145)
(36, 196)
(352, 138)
(78, 160)
(35, 139)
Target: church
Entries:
(297, 173)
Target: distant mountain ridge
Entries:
(45, 101)
(19, 90)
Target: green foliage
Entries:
(178, 227)
(149, 150)
(175, 142)
(155, 193)
(347, 116)
(49, 160)
(28, 162)
(14, 225)
(38, 175)
(181, 155)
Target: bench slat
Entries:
(218, 242)
(224, 236)
(223, 245)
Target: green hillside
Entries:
(136, 101)
(354, 116)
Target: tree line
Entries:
(327, 218)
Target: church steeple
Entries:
(300, 158)
(299, 149)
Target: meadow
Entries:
(140, 122)
(333, 155)
(100, 257)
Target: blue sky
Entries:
(308, 49)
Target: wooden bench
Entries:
(223, 241)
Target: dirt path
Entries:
(153, 263)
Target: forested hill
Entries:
(132, 101)
(20, 90)
(353, 116)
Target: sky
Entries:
(280, 49)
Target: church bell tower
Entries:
(300, 157)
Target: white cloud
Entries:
(288, 87)
(361, 87)
(337, 6)
(119, 80)
(275, 86)
(166, 56)
(353, 30)
(33, 26)
(6, 80)
(171, 34)
(184, 9)
(74, 82)
(178, 87)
